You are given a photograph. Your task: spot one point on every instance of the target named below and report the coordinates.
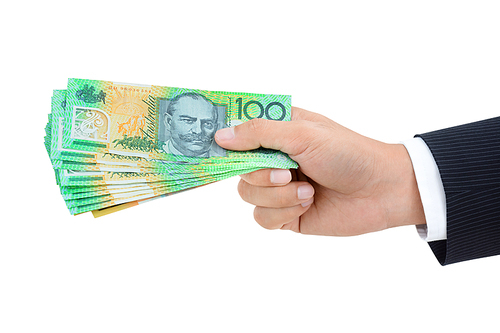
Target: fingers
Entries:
(277, 207)
(280, 218)
(292, 194)
(279, 201)
(268, 177)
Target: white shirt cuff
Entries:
(431, 190)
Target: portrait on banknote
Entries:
(188, 123)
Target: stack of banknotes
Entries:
(115, 145)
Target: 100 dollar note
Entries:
(164, 123)
(114, 144)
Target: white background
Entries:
(197, 262)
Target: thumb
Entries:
(288, 136)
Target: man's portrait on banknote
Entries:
(189, 123)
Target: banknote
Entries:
(166, 123)
(107, 196)
(77, 206)
(114, 145)
(137, 160)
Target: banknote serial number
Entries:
(268, 111)
(132, 89)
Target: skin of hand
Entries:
(346, 184)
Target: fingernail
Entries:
(305, 192)
(308, 202)
(225, 134)
(281, 176)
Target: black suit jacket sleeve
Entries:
(468, 158)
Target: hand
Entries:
(346, 184)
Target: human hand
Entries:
(346, 184)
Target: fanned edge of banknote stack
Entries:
(107, 180)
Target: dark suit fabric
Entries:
(468, 158)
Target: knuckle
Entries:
(257, 178)
(261, 219)
(242, 189)
(258, 125)
(282, 199)
(248, 177)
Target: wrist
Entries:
(402, 200)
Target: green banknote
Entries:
(165, 123)
(114, 144)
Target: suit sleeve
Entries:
(468, 159)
